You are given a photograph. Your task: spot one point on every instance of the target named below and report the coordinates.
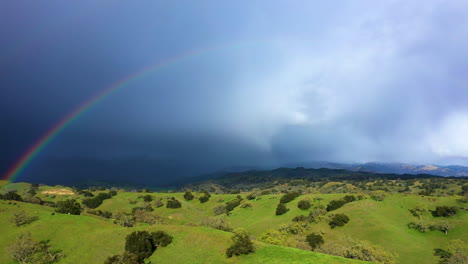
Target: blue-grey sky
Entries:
(270, 83)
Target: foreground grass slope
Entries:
(87, 239)
(383, 223)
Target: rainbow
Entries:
(43, 141)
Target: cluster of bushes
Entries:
(338, 220)
(422, 227)
(205, 197)
(140, 245)
(146, 217)
(96, 201)
(335, 204)
(242, 244)
(444, 211)
(69, 206)
(351, 248)
(11, 196)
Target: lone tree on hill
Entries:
(188, 195)
(241, 244)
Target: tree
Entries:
(338, 220)
(304, 204)
(188, 195)
(27, 250)
(219, 209)
(147, 198)
(241, 244)
(69, 206)
(173, 203)
(233, 204)
(314, 240)
(143, 244)
(281, 209)
(140, 244)
(203, 199)
(22, 217)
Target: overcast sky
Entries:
(264, 83)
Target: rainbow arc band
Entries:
(40, 144)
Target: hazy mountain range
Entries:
(398, 168)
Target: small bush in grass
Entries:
(338, 220)
(245, 205)
(158, 203)
(203, 199)
(146, 217)
(241, 245)
(124, 219)
(219, 209)
(304, 204)
(281, 209)
(421, 227)
(104, 214)
(314, 240)
(349, 198)
(173, 203)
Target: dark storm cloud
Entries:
(351, 82)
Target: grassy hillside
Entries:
(92, 239)
(87, 239)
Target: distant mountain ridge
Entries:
(397, 168)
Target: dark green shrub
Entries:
(112, 193)
(173, 203)
(444, 211)
(233, 204)
(96, 201)
(143, 244)
(338, 220)
(335, 204)
(161, 238)
(188, 195)
(349, 198)
(289, 197)
(304, 204)
(281, 209)
(250, 196)
(147, 198)
(241, 245)
(70, 206)
(12, 196)
(140, 243)
(314, 240)
(204, 199)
